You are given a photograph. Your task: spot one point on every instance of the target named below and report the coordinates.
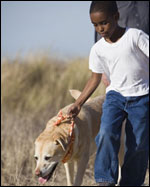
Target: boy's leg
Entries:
(136, 157)
(108, 139)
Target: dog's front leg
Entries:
(81, 167)
(69, 167)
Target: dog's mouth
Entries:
(44, 179)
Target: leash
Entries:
(61, 118)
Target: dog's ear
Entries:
(75, 94)
(62, 143)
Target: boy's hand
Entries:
(74, 110)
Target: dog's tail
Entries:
(75, 94)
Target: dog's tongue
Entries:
(42, 180)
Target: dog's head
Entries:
(50, 148)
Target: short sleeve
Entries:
(95, 61)
(143, 43)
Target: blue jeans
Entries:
(135, 110)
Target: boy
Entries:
(122, 54)
(134, 14)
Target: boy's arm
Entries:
(89, 88)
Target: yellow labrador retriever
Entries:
(57, 145)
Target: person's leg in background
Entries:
(137, 142)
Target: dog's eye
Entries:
(36, 158)
(47, 157)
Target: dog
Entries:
(55, 145)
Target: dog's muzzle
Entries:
(45, 177)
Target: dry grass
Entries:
(34, 85)
(33, 90)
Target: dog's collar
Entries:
(69, 149)
(71, 135)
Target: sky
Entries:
(57, 27)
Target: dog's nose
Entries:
(37, 172)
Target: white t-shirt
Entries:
(125, 62)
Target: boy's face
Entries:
(104, 24)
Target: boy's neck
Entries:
(119, 32)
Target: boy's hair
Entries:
(109, 7)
